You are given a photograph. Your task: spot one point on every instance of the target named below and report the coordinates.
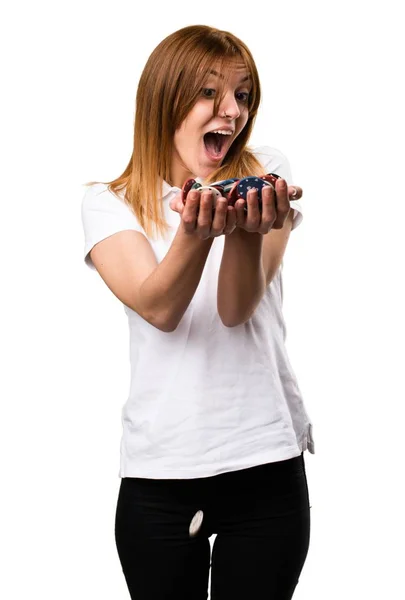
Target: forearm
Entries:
(169, 289)
(241, 281)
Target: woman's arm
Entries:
(161, 293)
(241, 281)
(250, 258)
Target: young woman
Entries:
(214, 427)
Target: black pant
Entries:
(262, 520)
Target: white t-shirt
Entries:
(204, 399)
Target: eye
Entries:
(206, 92)
(245, 96)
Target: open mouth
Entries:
(216, 144)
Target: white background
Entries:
(333, 102)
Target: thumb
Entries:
(294, 192)
(176, 203)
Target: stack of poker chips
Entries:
(232, 189)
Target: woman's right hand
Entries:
(199, 218)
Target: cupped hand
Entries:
(275, 207)
(199, 217)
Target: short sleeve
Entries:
(103, 214)
(274, 161)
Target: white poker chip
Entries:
(205, 188)
(196, 522)
(217, 193)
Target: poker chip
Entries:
(225, 185)
(192, 184)
(271, 178)
(225, 182)
(196, 523)
(187, 185)
(217, 192)
(241, 188)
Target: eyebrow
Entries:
(222, 77)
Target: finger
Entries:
(176, 206)
(189, 216)
(282, 204)
(240, 213)
(205, 215)
(294, 192)
(219, 221)
(230, 220)
(253, 215)
(174, 202)
(179, 205)
(269, 212)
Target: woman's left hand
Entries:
(275, 207)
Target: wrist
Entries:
(193, 239)
(245, 236)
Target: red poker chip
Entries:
(270, 178)
(233, 193)
(187, 185)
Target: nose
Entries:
(229, 106)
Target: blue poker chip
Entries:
(242, 187)
(225, 182)
(226, 185)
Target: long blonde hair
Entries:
(168, 88)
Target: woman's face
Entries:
(197, 156)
